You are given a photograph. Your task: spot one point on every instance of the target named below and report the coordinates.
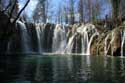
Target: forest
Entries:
(65, 11)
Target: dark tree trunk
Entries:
(81, 10)
(72, 12)
(115, 8)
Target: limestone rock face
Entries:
(116, 44)
(117, 39)
(48, 37)
(77, 45)
(97, 47)
(109, 42)
(31, 28)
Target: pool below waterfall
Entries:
(62, 69)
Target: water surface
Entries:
(62, 69)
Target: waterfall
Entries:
(69, 46)
(88, 32)
(90, 42)
(113, 37)
(39, 30)
(25, 38)
(83, 31)
(50, 38)
(59, 39)
(85, 42)
(106, 45)
(109, 45)
(122, 44)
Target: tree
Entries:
(1, 5)
(40, 13)
(122, 8)
(59, 14)
(71, 11)
(18, 15)
(66, 14)
(95, 10)
(8, 29)
(65, 10)
(89, 10)
(115, 8)
(80, 10)
(13, 9)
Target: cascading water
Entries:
(106, 45)
(122, 44)
(84, 43)
(59, 39)
(55, 38)
(69, 46)
(39, 30)
(86, 40)
(24, 37)
(91, 39)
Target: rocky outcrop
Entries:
(109, 42)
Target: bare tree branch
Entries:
(13, 7)
(10, 3)
(21, 11)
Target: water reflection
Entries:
(62, 69)
(43, 71)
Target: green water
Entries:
(62, 69)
